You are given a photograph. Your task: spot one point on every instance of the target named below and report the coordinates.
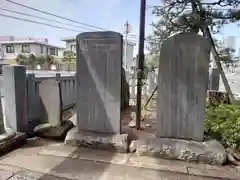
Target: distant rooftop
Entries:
(26, 40)
(73, 38)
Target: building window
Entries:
(41, 48)
(25, 48)
(10, 48)
(52, 51)
(73, 48)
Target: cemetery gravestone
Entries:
(99, 64)
(50, 100)
(214, 79)
(182, 81)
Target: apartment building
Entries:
(11, 47)
(71, 46)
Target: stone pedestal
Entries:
(182, 84)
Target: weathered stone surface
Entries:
(15, 97)
(210, 152)
(182, 84)
(18, 140)
(110, 142)
(125, 94)
(99, 69)
(57, 132)
(8, 134)
(50, 98)
(41, 127)
(214, 79)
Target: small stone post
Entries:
(15, 97)
(50, 99)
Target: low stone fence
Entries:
(23, 106)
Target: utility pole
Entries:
(127, 31)
(140, 62)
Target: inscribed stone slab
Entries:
(50, 99)
(182, 81)
(99, 62)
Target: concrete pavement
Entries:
(46, 160)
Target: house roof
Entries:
(30, 42)
(73, 38)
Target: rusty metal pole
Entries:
(140, 64)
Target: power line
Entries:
(61, 17)
(46, 19)
(46, 24)
(36, 22)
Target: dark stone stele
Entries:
(99, 92)
(99, 68)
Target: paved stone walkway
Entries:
(40, 160)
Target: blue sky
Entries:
(108, 14)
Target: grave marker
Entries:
(50, 100)
(99, 63)
(182, 81)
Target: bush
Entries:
(223, 123)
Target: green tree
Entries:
(69, 57)
(50, 61)
(32, 61)
(22, 59)
(40, 60)
(178, 16)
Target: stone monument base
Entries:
(110, 142)
(58, 132)
(12, 141)
(209, 152)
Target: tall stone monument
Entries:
(182, 84)
(99, 68)
(99, 62)
(182, 81)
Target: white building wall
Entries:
(130, 49)
(34, 49)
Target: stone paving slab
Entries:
(70, 162)
(4, 175)
(74, 169)
(139, 161)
